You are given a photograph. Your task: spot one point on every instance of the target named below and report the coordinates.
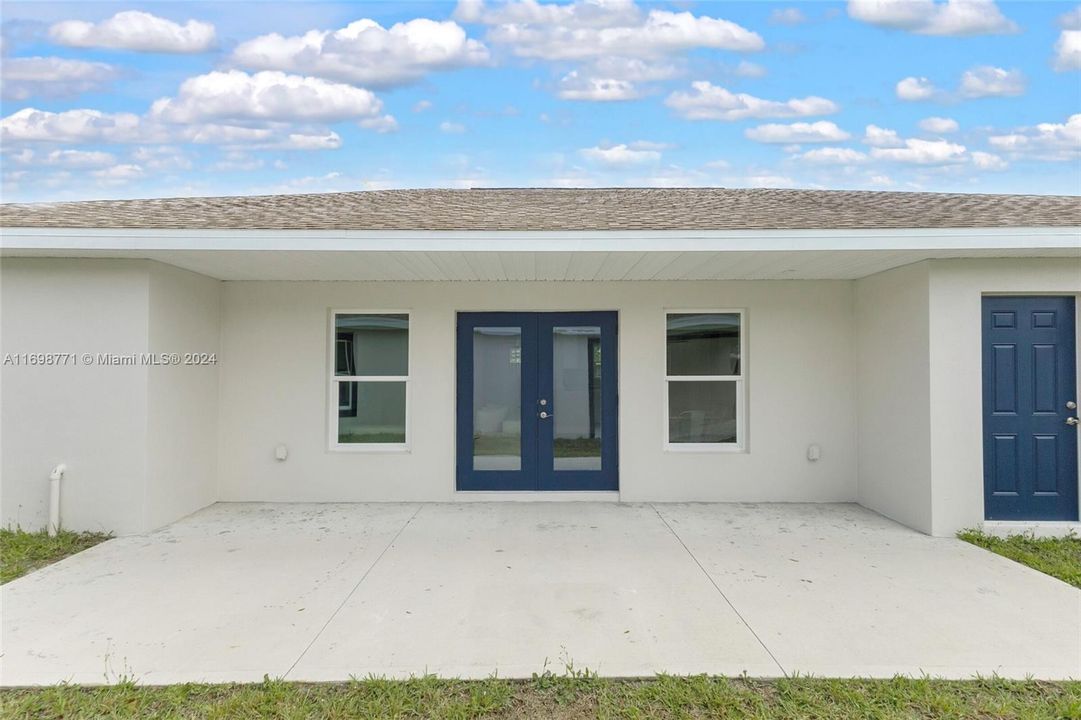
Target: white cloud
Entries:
(72, 126)
(833, 156)
(635, 69)
(613, 78)
(711, 102)
(422, 105)
(274, 96)
(922, 152)
(876, 136)
(1068, 51)
(26, 77)
(576, 87)
(977, 82)
(988, 161)
(939, 125)
(80, 159)
(767, 180)
(928, 17)
(238, 161)
(381, 124)
(452, 128)
(588, 29)
(916, 88)
(1045, 141)
(620, 155)
(748, 69)
(787, 16)
(365, 52)
(162, 158)
(1070, 20)
(881, 180)
(119, 173)
(136, 30)
(90, 126)
(800, 132)
(988, 81)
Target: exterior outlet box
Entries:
(814, 453)
(281, 452)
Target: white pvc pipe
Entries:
(54, 498)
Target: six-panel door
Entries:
(1029, 384)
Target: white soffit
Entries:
(541, 256)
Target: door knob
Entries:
(1071, 405)
(1069, 421)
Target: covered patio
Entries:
(328, 591)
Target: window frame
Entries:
(740, 380)
(335, 380)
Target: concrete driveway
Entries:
(325, 592)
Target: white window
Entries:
(704, 380)
(369, 387)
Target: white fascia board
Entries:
(14, 239)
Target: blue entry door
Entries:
(1030, 408)
(537, 404)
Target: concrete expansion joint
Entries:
(353, 590)
(719, 591)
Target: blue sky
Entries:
(105, 100)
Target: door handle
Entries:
(1071, 421)
(545, 415)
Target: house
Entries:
(912, 352)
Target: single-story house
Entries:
(912, 352)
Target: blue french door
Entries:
(1030, 408)
(537, 404)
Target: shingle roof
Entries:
(551, 209)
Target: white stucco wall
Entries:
(91, 417)
(182, 400)
(893, 391)
(798, 359)
(956, 289)
(140, 442)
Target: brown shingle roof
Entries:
(551, 209)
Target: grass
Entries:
(1058, 557)
(511, 445)
(569, 697)
(22, 551)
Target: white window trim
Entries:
(334, 380)
(740, 445)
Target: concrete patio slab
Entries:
(838, 590)
(472, 589)
(323, 592)
(228, 594)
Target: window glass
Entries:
(371, 345)
(371, 412)
(576, 382)
(702, 411)
(703, 344)
(497, 398)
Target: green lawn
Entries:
(576, 696)
(22, 551)
(1058, 557)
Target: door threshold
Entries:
(1037, 528)
(535, 496)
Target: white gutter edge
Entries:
(14, 239)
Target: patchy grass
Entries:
(1058, 557)
(569, 697)
(22, 551)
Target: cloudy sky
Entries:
(144, 99)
